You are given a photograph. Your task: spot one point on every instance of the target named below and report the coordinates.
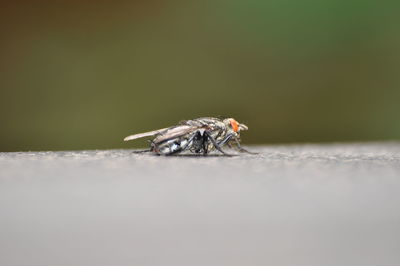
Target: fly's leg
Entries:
(198, 142)
(226, 140)
(154, 148)
(216, 145)
(238, 146)
(241, 149)
(142, 151)
(205, 146)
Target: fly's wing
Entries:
(145, 134)
(175, 132)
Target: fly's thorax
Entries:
(209, 123)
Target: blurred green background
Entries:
(85, 74)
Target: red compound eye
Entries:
(235, 125)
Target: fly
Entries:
(199, 136)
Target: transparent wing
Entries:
(145, 134)
(175, 132)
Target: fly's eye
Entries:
(235, 125)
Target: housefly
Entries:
(199, 136)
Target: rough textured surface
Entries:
(290, 205)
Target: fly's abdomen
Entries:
(170, 147)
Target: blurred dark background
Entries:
(85, 74)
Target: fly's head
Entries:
(234, 126)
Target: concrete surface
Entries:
(290, 205)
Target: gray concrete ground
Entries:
(290, 205)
